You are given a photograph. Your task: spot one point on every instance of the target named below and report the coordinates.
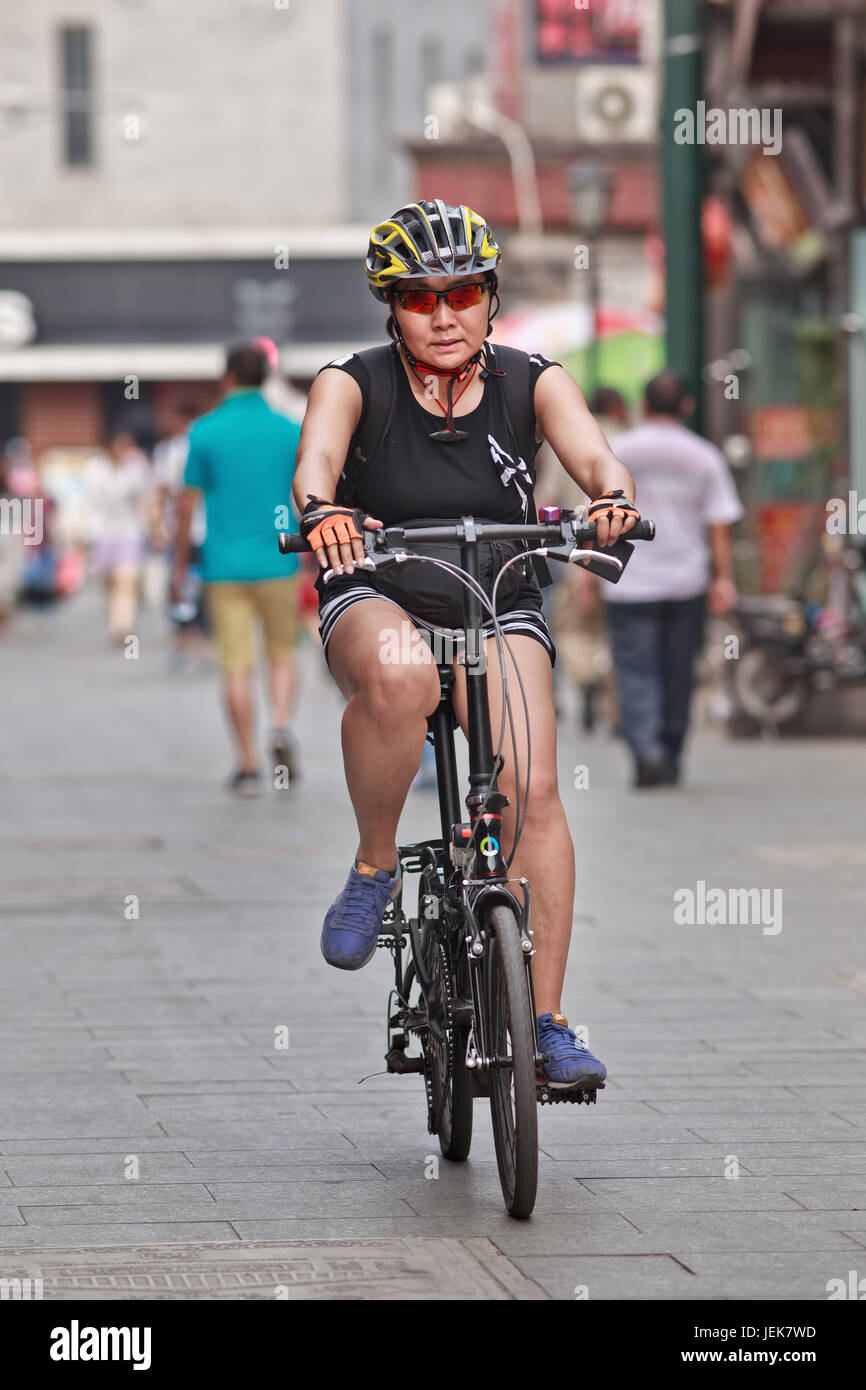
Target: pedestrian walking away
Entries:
(119, 489)
(656, 612)
(241, 459)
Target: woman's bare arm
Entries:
(333, 411)
(580, 446)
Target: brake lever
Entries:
(373, 559)
(607, 564)
(576, 555)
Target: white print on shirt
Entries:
(341, 361)
(509, 471)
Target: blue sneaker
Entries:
(568, 1063)
(353, 922)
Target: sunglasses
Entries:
(427, 301)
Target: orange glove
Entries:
(612, 504)
(324, 523)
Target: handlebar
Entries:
(568, 531)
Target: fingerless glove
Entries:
(612, 504)
(324, 523)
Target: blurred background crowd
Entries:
(183, 177)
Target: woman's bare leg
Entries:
(385, 720)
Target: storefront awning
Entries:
(154, 361)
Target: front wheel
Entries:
(511, 1040)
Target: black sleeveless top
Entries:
(415, 476)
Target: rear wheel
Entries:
(511, 1037)
(445, 1051)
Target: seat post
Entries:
(441, 724)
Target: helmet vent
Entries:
(437, 240)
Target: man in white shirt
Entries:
(656, 611)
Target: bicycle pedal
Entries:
(554, 1095)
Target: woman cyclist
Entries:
(444, 456)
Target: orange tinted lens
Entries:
(465, 296)
(417, 301)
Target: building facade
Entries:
(178, 180)
(786, 257)
(187, 175)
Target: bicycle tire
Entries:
(513, 1100)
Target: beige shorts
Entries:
(235, 609)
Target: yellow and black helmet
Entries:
(429, 238)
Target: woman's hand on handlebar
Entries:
(334, 534)
(614, 516)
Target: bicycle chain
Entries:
(446, 995)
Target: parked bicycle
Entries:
(462, 973)
(792, 650)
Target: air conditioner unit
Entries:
(615, 105)
(449, 104)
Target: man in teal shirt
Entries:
(242, 459)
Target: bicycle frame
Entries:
(475, 847)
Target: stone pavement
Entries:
(151, 1127)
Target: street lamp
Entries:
(591, 183)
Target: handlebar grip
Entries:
(291, 541)
(642, 531)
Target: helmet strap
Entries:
(494, 295)
(450, 434)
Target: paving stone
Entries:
(287, 1131)
(295, 1199)
(112, 1233)
(74, 1120)
(92, 1145)
(171, 1074)
(771, 1274)
(596, 1277)
(582, 1168)
(754, 1231)
(97, 1168)
(837, 1193)
(119, 1190)
(774, 1106)
(336, 1148)
(797, 1166)
(739, 1130)
(347, 1227)
(678, 1194)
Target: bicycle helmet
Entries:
(429, 238)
